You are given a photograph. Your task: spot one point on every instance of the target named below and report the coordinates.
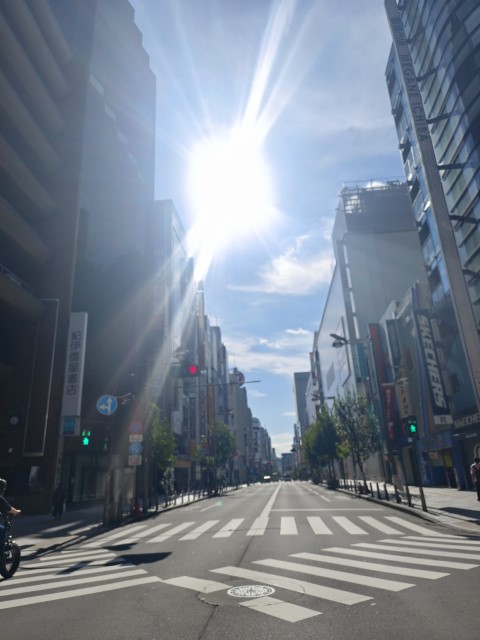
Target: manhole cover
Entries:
(250, 591)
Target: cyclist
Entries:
(5, 508)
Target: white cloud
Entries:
(282, 442)
(303, 268)
(282, 354)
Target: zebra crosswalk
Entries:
(359, 525)
(70, 574)
(347, 576)
(397, 572)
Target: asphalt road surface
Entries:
(271, 561)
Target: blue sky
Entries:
(308, 76)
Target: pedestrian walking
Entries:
(475, 473)
(58, 499)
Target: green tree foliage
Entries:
(320, 444)
(357, 427)
(222, 447)
(162, 440)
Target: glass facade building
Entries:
(443, 73)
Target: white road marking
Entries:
(424, 552)
(288, 527)
(74, 593)
(456, 541)
(427, 562)
(196, 533)
(318, 526)
(349, 526)
(171, 532)
(279, 609)
(414, 527)
(258, 527)
(430, 545)
(228, 529)
(37, 577)
(299, 586)
(201, 586)
(367, 581)
(380, 526)
(74, 582)
(151, 530)
(372, 566)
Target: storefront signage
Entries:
(426, 342)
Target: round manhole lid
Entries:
(250, 591)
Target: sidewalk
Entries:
(459, 510)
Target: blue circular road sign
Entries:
(106, 405)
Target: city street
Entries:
(278, 560)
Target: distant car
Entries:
(287, 477)
(267, 479)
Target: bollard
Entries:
(386, 491)
(409, 497)
(398, 498)
(378, 492)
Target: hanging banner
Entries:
(433, 371)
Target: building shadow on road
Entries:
(146, 558)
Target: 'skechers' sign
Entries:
(440, 410)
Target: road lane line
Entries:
(426, 562)
(279, 609)
(228, 529)
(367, 581)
(258, 527)
(171, 532)
(299, 586)
(196, 533)
(372, 566)
(288, 527)
(75, 593)
(349, 526)
(380, 526)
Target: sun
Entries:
(230, 189)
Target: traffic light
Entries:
(193, 370)
(412, 427)
(86, 436)
(189, 369)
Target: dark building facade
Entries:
(433, 78)
(76, 179)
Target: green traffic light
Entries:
(86, 437)
(412, 426)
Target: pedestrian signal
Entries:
(86, 435)
(412, 427)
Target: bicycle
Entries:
(10, 555)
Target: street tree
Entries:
(320, 444)
(357, 428)
(162, 447)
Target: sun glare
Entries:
(230, 189)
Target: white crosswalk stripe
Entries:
(93, 571)
(328, 524)
(88, 571)
(423, 569)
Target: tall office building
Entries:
(433, 75)
(76, 177)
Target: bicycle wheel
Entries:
(10, 561)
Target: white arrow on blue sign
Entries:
(106, 405)
(135, 448)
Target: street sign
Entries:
(135, 437)
(240, 378)
(134, 461)
(106, 405)
(136, 427)
(135, 448)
